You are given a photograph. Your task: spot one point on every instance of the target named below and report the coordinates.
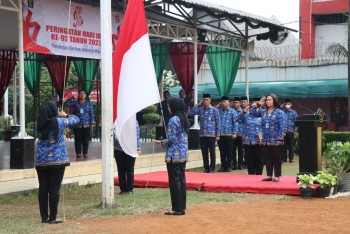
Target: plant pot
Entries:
(323, 192)
(306, 193)
(346, 182)
(7, 135)
(335, 189)
(340, 188)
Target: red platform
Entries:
(221, 182)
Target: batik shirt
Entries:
(291, 116)
(229, 125)
(209, 121)
(239, 121)
(177, 142)
(84, 111)
(53, 152)
(117, 145)
(274, 126)
(252, 133)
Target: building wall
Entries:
(324, 38)
(307, 11)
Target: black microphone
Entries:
(305, 108)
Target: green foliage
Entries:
(151, 118)
(336, 158)
(336, 136)
(326, 180)
(150, 109)
(169, 80)
(5, 123)
(336, 50)
(306, 180)
(30, 129)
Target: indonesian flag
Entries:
(134, 79)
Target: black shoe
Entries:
(122, 192)
(240, 167)
(227, 170)
(56, 221)
(233, 168)
(45, 220)
(174, 213)
(206, 171)
(267, 179)
(291, 161)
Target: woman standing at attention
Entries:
(83, 109)
(273, 129)
(51, 158)
(176, 155)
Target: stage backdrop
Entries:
(48, 28)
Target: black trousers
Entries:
(177, 185)
(237, 144)
(272, 156)
(125, 165)
(253, 158)
(208, 143)
(225, 146)
(49, 191)
(81, 137)
(288, 146)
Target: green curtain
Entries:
(224, 66)
(86, 71)
(32, 70)
(159, 54)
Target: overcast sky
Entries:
(286, 11)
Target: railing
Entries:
(296, 52)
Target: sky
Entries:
(286, 11)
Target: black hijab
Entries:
(47, 120)
(177, 107)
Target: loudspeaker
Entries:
(201, 35)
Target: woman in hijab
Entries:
(176, 155)
(52, 157)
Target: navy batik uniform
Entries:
(85, 112)
(291, 116)
(51, 160)
(229, 127)
(209, 129)
(274, 126)
(252, 137)
(237, 143)
(126, 164)
(176, 157)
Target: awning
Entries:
(290, 89)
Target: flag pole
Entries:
(107, 109)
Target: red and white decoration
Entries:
(56, 27)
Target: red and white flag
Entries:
(134, 79)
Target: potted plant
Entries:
(306, 185)
(327, 181)
(336, 161)
(7, 132)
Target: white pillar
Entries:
(6, 102)
(246, 74)
(107, 109)
(22, 133)
(14, 82)
(195, 77)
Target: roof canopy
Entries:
(295, 89)
(185, 20)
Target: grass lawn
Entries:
(20, 212)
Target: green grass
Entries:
(20, 212)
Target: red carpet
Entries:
(221, 182)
